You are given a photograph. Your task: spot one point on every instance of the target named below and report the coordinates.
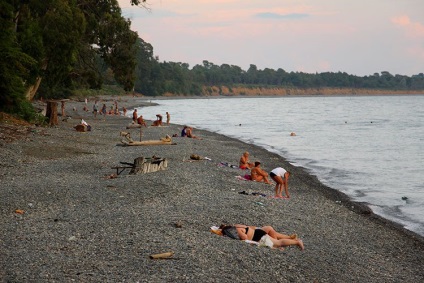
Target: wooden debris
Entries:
(162, 255)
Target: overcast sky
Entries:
(360, 37)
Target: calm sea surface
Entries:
(369, 147)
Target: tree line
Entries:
(154, 78)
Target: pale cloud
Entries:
(412, 29)
(276, 16)
(309, 35)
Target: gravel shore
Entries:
(80, 225)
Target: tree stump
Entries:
(51, 113)
(148, 165)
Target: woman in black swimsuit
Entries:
(257, 234)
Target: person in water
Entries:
(259, 175)
(281, 179)
(244, 161)
(265, 235)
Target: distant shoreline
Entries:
(225, 91)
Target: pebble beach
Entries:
(67, 216)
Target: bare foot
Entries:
(293, 236)
(300, 244)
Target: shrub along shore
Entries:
(66, 215)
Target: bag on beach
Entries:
(231, 232)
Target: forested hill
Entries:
(154, 78)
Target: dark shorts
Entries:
(259, 233)
(272, 174)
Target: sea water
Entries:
(369, 147)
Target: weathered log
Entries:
(162, 255)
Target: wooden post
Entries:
(51, 113)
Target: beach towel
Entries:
(226, 164)
(244, 178)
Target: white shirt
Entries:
(279, 171)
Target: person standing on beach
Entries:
(135, 116)
(281, 178)
(168, 118)
(95, 109)
(104, 110)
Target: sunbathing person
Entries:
(244, 161)
(259, 175)
(265, 235)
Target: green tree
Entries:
(15, 66)
(54, 41)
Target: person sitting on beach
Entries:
(244, 161)
(140, 121)
(125, 111)
(189, 132)
(281, 178)
(158, 121)
(265, 235)
(259, 175)
(184, 132)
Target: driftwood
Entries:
(163, 141)
(162, 255)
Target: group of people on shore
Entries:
(279, 175)
(113, 109)
(266, 235)
(157, 123)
